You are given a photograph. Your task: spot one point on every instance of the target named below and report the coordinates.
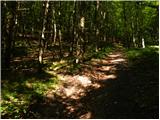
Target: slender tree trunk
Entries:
(41, 42)
(55, 33)
(73, 29)
(134, 41)
(82, 37)
(60, 43)
(143, 43)
(60, 31)
(55, 27)
(126, 43)
(96, 26)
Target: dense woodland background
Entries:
(36, 34)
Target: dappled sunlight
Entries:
(85, 81)
(105, 68)
(100, 62)
(112, 76)
(105, 62)
(87, 115)
(23, 87)
(95, 61)
(76, 86)
(118, 60)
(95, 88)
(96, 85)
(70, 91)
(79, 59)
(114, 56)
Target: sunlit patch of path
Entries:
(75, 87)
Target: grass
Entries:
(99, 54)
(70, 67)
(20, 91)
(143, 57)
(144, 67)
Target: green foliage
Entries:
(17, 96)
(74, 68)
(143, 58)
(102, 53)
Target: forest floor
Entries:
(103, 88)
(118, 85)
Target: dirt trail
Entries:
(98, 70)
(102, 90)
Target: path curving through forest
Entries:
(98, 70)
(103, 89)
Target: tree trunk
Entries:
(60, 44)
(96, 25)
(143, 43)
(126, 43)
(59, 27)
(73, 29)
(10, 30)
(41, 42)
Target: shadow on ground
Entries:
(22, 88)
(133, 93)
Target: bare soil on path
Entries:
(104, 88)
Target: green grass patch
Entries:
(144, 64)
(143, 57)
(21, 90)
(100, 54)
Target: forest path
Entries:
(103, 89)
(98, 70)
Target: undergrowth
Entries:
(20, 90)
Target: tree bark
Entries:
(10, 32)
(42, 38)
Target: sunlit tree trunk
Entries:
(60, 31)
(54, 26)
(77, 31)
(41, 42)
(73, 28)
(55, 33)
(104, 34)
(143, 43)
(96, 26)
(134, 41)
(60, 43)
(133, 33)
(82, 23)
